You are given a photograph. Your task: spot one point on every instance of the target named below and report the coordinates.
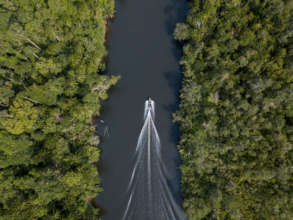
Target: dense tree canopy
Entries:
(50, 55)
(236, 110)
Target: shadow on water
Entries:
(175, 12)
(141, 49)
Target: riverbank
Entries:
(235, 111)
(51, 87)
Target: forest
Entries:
(236, 110)
(51, 86)
(235, 113)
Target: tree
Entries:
(235, 112)
(50, 90)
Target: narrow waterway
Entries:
(141, 50)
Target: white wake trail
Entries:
(149, 195)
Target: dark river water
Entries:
(142, 51)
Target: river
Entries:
(142, 51)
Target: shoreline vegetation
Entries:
(50, 55)
(236, 109)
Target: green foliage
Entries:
(181, 31)
(50, 89)
(236, 110)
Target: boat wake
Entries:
(150, 197)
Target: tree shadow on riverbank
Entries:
(175, 12)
